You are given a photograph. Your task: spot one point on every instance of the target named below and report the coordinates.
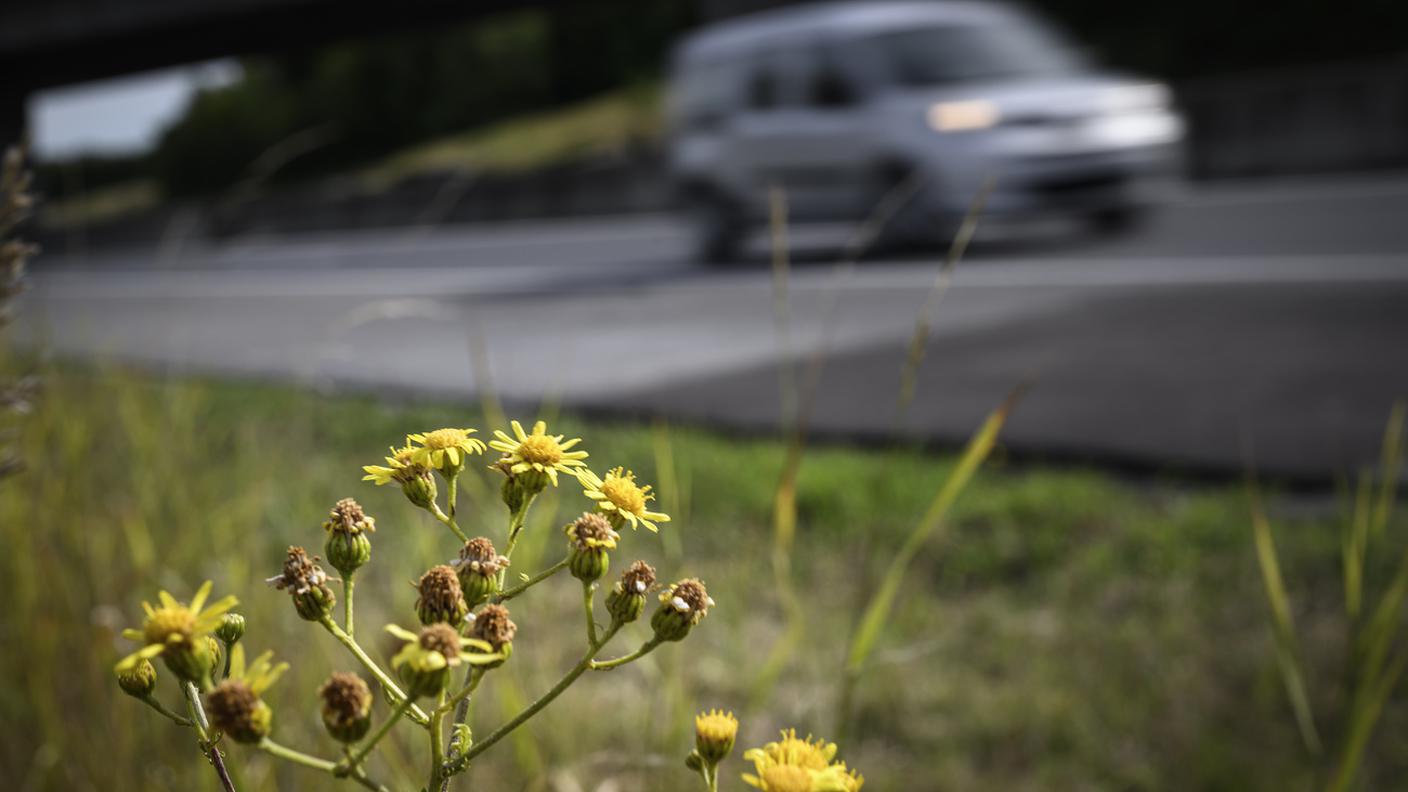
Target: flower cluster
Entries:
(466, 629)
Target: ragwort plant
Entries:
(15, 205)
(465, 632)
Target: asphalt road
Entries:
(1266, 317)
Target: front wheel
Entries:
(717, 227)
(1119, 221)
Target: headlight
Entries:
(1134, 98)
(963, 116)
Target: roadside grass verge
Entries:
(1070, 630)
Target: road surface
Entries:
(1271, 317)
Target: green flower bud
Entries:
(194, 662)
(347, 707)
(139, 680)
(626, 600)
(348, 546)
(315, 603)
(419, 488)
(441, 599)
(682, 606)
(348, 552)
(237, 710)
(589, 537)
(493, 626)
(478, 569)
(231, 628)
(694, 761)
(519, 489)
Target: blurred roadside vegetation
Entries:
(1072, 630)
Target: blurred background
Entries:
(712, 237)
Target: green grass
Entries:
(1069, 631)
(598, 126)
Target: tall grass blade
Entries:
(909, 374)
(1363, 719)
(872, 623)
(1391, 456)
(1356, 541)
(1287, 653)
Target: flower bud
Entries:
(348, 547)
(425, 664)
(441, 599)
(714, 734)
(493, 626)
(681, 607)
(478, 569)
(237, 710)
(519, 489)
(347, 706)
(193, 662)
(694, 761)
(139, 680)
(588, 539)
(626, 600)
(419, 488)
(306, 582)
(231, 628)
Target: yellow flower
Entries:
(714, 733)
(259, 675)
(621, 498)
(400, 468)
(176, 627)
(800, 765)
(444, 449)
(538, 452)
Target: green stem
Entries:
(475, 674)
(347, 593)
(159, 707)
(645, 649)
(588, 596)
(437, 744)
(449, 521)
(272, 748)
(392, 690)
(202, 726)
(452, 495)
(544, 700)
(532, 581)
(355, 757)
(228, 647)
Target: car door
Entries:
(805, 130)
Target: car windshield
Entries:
(972, 53)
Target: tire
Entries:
(1119, 221)
(717, 226)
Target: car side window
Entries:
(764, 86)
(830, 83)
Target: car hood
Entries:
(1052, 98)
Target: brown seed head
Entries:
(301, 573)
(592, 531)
(346, 697)
(441, 638)
(689, 598)
(441, 598)
(347, 516)
(493, 625)
(232, 704)
(638, 578)
(478, 555)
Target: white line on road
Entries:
(457, 282)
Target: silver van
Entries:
(838, 103)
